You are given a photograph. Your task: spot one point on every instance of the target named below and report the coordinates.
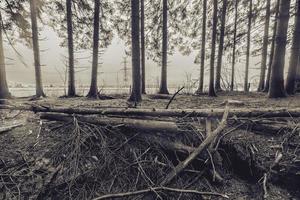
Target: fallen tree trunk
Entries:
(216, 113)
(136, 124)
(157, 129)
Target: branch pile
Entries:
(135, 154)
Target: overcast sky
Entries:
(52, 57)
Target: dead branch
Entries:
(198, 150)
(157, 189)
(173, 97)
(9, 128)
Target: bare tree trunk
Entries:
(246, 83)
(143, 60)
(136, 94)
(163, 85)
(211, 91)
(4, 92)
(203, 45)
(291, 78)
(234, 45)
(93, 93)
(261, 85)
(36, 50)
(277, 81)
(71, 86)
(221, 47)
(298, 76)
(267, 86)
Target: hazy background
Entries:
(54, 57)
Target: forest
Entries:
(233, 132)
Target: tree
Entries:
(246, 83)
(74, 22)
(234, 45)
(36, 51)
(221, 46)
(211, 91)
(143, 61)
(267, 85)
(4, 92)
(295, 49)
(71, 83)
(93, 93)
(136, 94)
(277, 81)
(261, 85)
(298, 76)
(163, 84)
(203, 46)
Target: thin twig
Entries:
(173, 97)
(157, 189)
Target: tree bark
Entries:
(211, 91)
(234, 45)
(143, 59)
(221, 47)
(246, 82)
(93, 93)
(121, 112)
(261, 85)
(71, 85)
(267, 85)
(136, 94)
(298, 76)
(295, 49)
(203, 45)
(4, 92)
(277, 89)
(163, 85)
(36, 50)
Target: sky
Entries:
(53, 58)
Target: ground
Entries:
(243, 180)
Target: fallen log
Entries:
(156, 129)
(136, 124)
(216, 112)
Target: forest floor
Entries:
(247, 155)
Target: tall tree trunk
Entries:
(267, 85)
(136, 94)
(211, 91)
(203, 45)
(163, 85)
(221, 47)
(4, 92)
(36, 50)
(234, 45)
(93, 93)
(298, 76)
(71, 86)
(291, 78)
(246, 82)
(143, 60)
(261, 85)
(277, 81)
